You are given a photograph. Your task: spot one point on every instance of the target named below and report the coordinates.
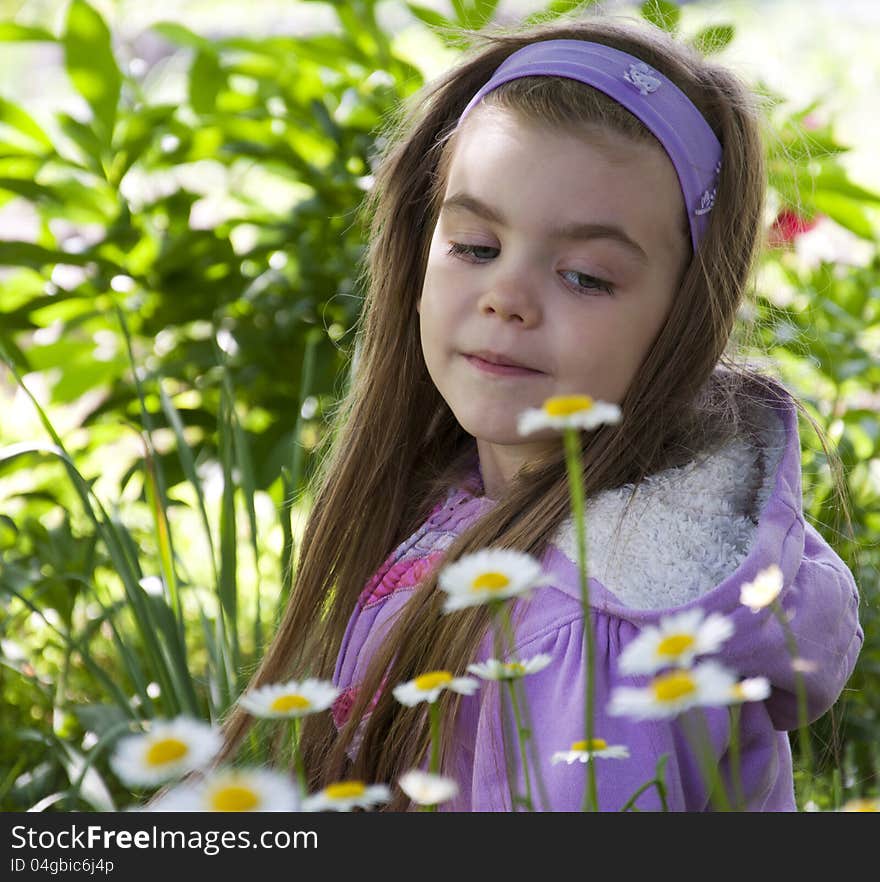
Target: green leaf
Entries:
(10, 32)
(91, 65)
(474, 15)
(206, 79)
(429, 16)
(713, 38)
(135, 132)
(13, 115)
(847, 212)
(662, 13)
(29, 190)
(27, 254)
(86, 138)
(557, 9)
(183, 36)
(482, 12)
(834, 178)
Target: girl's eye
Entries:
(586, 282)
(581, 281)
(459, 248)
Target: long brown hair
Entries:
(395, 445)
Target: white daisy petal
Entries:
(492, 669)
(346, 795)
(489, 575)
(169, 750)
(763, 590)
(291, 699)
(425, 788)
(752, 689)
(675, 642)
(672, 692)
(568, 411)
(584, 751)
(427, 687)
(232, 790)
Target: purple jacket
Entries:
(701, 531)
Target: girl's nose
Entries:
(512, 295)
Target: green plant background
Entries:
(177, 330)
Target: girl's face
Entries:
(581, 308)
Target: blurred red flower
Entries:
(787, 226)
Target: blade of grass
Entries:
(228, 531)
(293, 478)
(244, 462)
(189, 469)
(155, 485)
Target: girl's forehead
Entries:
(494, 137)
(552, 178)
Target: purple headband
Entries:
(655, 100)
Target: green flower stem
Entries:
(523, 724)
(801, 692)
(576, 486)
(295, 727)
(735, 769)
(499, 653)
(697, 733)
(434, 766)
(523, 734)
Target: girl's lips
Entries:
(503, 370)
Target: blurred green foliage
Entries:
(211, 331)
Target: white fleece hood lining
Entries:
(688, 527)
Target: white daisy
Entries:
(568, 411)
(492, 669)
(346, 795)
(170, 749)
(861, 805)
(583, 751)
(233, 790)
(427, 687)
(675, 642)
(763, 590)
(752, 689)
(490, 574)
(673, 692)
(291, 699)
(425, 788)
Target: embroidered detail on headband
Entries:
(707, 202)
(644, 78)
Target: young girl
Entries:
(583, 200)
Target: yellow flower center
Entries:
(429, 681)
(290, 702)
(515, 668)
(863, 805)
(670, 687)
(345, 790)
(166, 751)
(675, 644)
(234, 798)
(490, 581)
(738, 692)
(593, 744)
(566, 405)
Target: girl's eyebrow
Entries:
(466, 202)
